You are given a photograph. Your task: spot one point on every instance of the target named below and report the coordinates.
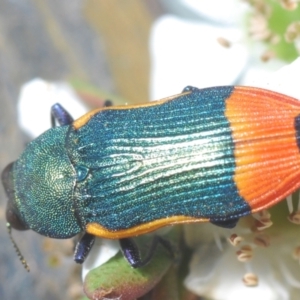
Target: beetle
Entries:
(205, 155)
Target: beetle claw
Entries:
(83, 247)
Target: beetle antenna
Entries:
(21, 257)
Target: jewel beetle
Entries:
(205, 155)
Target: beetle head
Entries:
(40, 187)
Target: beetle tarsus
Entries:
(83, 247)
(131, 252)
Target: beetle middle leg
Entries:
(83, 247)
(131, 252)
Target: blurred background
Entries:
(102, 43)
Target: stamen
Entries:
(267, 55)
(289, 201)
(263, 221)
(289, 4)
(245, 253)
(289, 277)
(259, 28)
(262, 225)
(250, 279)
(21, 257)
(262, 240)
(296, 253)
(224, 42)
(292, 32)
(295, 217)
(235, 240)
(218, 240)
(263, 214)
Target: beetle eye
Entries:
(12, 215)
(14, 220)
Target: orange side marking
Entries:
(266, 153)
(85, 118)
(98, 230)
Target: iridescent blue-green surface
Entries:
(44, 180)
(141, 164)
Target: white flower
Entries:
(206, 45)
(101, 252)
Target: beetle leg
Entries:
(108, 103)
(83, 247)
(131, 252)
(226, 224)
(189, 88)
(60, 115)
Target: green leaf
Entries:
(117, 278)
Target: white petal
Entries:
(102, 251)
(35, 101)
(187, 53)
(218, 275)
(285, 80)
(220, 11)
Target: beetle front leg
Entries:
(83, 247)
(131, 252)
(60, 115)
(190, 88)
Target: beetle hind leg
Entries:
(131, 252)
